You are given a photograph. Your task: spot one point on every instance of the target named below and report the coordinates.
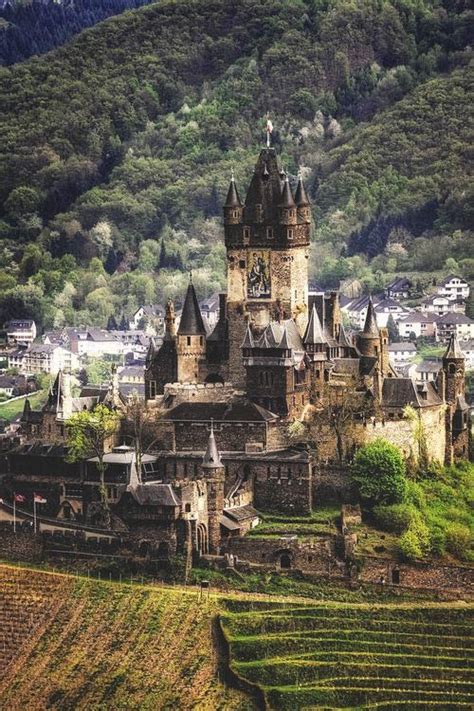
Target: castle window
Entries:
(188, 340)
(270, 232)
(200, 340)
(152, 388)
(187, 508)
(290, 234)
(452, 368)
(246, 233)
(242, 263)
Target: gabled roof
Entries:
(400, 392)
(418, 317)
(399, 283)
(455, 319)
(191, 323)
(151, 494)
(447, 279)
(402, 346)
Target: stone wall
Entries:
(22, 545)
(230, 436)
(284, 487)
(199, 392)
(418, 575)
(282, 554)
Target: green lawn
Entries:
(9, 410)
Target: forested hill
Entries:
(28, 28)
(119, 145)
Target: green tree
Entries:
(378, 471)
(88, 434)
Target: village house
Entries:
(401, 352)
(418, 325)
(454, 287)
(459, 325)
(48, 358)
(148, 318)
(399, 288)
(440, 304)
(21, 331)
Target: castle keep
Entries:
(224, 404)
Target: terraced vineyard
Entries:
(70, 643)
(335, 655)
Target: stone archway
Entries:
(285, 561)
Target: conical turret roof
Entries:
(371, 330)
(191, 323)
(301, 198)
(248, 341)
(342, 338)
(314, 332)
(453, 350)
(212, 458)
(233, 197)
(287, 199)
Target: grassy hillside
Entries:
(365, 656)
(9, 410)
(119, 145)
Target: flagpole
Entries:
(14, 513)
(34, 513)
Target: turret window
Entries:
(246, 233)
(188, 340)
(290, 234)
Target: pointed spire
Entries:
(342, 338)
(233, 197)
(191, 323)
(170, 322)
(26, 410)
(370, 327)
(301, 198)
(212, 458)
(248, 341)
(314, 332)
(453, 350)
(285, 341)
(287, 199)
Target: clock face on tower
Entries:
(258, 274)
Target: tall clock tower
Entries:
(267, 242)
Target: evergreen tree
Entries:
(112, 324)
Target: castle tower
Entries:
(315, 344)
(161, 364)
(368, 342)
(458, 424)
(214, 474)
(190, 339)
(267, 244)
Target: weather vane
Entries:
(269, 130)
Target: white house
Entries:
(21, 331)
(94, 342)
(459, 324)
(48, 358)
(210, 309)
(402, 352)
(418, 324)
(439, 304)
(454, 287)
(399, 288)
(386, 308)
(149, 318)
(426, 371)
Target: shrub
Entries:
(396, 517)
(415, 495)
(437, 541)
(379, 473)
(410, 546)
(458, 539)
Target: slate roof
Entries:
(314, 332)
(233, 197)
(152, 494)
(402, 346)
(301, 198)
(241, 513)
(447, 279)
(370, 326)
(455, 319)
(191, 323)
(418, 317)
(400, 392)
(234, 411)
(399, 284)
(453, 350)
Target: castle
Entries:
(224, 403)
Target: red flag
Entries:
(19, 498)
(39, 499)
